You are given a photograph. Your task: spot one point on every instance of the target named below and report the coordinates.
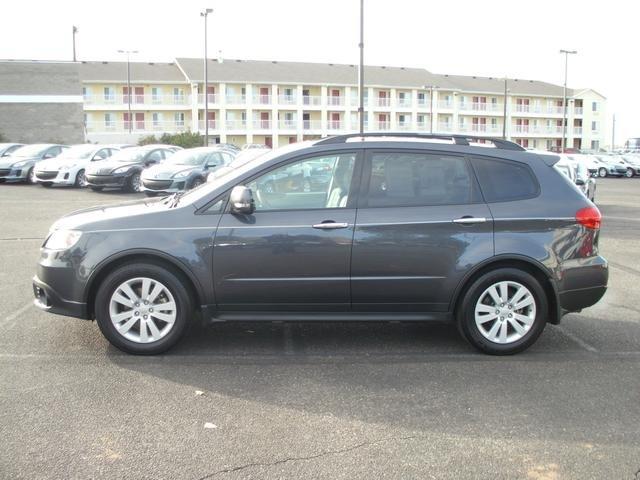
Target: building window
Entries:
(84, 94)
(155, 120)
(594, 106)
(109, 94)
(421, 98)
(595, 144)
(594, 126)
(155, 95)
(178, 95)
(109, 122)
(179, 119)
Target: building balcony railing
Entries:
(577, 130)
(261, 124)
(235, 124)
(236, 99)
(382, 102)
(335, 101)
(536, 130)
(404, 102)
(286, 100)
(212, 98)
(137, 99)
(445, 104)
(311, 124)
(404, 127)
(382, 125)
(137, 126)
(212, 124)
(262, 99)
(479, 129)
(577, 110)
(312, 100)
(288, 125)
(445, 127)
(334, 124)
(482, 107)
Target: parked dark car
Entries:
(185, 170)
(19, 166)
(492, 239)
(7, 149)
(123, 169)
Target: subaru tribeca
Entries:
(402, 227)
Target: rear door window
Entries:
(503, 180)
(413, 179)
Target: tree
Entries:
(184, 139)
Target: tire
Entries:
(81, 180)
(96, 189)
(196, 183)
(133, 183)
(150, 194)
(31, 176)
(130, 338)
(602, 173)
(46, 184)
(629, 173)
(477, 327)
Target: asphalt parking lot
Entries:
(303, 401)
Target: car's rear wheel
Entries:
(81, 180)
(197, 182)
(602, 172)
(143, 308)
(134, 184)
(503, 312)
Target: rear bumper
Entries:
(582, 283)
(47, 299)
(15, 175)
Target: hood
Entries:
(7, 162)
(109, 216)
(108, 166)
(51, 164)
(166, 172)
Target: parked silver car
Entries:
(19, 166)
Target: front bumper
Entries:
(163, 186)
(47, 299)
(108, 181)
(582, 282)
(61, 177)
(13, 175)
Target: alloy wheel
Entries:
(81, 180)
(135, 182)
(142, 310)
(628, 173)
(505, 312)
(602, 172)
(31, 176)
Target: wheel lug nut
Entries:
(510, 315)
(137, 304)
(146, 303)
(137, 313)
(145, 317)
(497, 311)
(151, 309)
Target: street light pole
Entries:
(74, 31)
(361, 72)
(504, 113)
(431, 89)
(564, 102)
(128, 52)
(205, 14)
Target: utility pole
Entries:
(564, 102)
(613, 133)
(205, 14)
(129, 52)
(504, 113)
(431, 89)
(74, 31)
(361, 72)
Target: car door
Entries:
(294, 252)
(422, 224)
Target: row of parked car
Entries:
(152, 169)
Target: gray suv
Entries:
(397, 227)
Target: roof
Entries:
(149, 72)
(496, 85)
(39, 78)
(302, 72)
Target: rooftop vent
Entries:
(383, 67)
(401, 68)
(331, 64)
(474, 77)
(105, 63)
(151, 63)
(239, 61)
(273, 61)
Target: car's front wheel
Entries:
(81, 180)
(628, 173)
(602, 172)
(503, 312)
(134, 183)
(143, 308)
(31, 176)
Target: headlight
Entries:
(181, 174)
(62, 239)
(20, 164)
(121, 170)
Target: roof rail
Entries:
(457, 139)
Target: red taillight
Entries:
(590, 217)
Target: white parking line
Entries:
(11, 318)
(577, 340)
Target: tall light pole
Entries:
(129, 52)
(74, 30)
(504, 111)
(361, 72)
(431, 88)
(564, 102)
(613, 133)
(205, 15)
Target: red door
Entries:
(268, 141)
(335, 121)
(125, 94)
(475, 121)
(264, 119)
(211, 119)
(335, 97)
(127, 120)
(139, 94)
(264, 94)
(211, 94)
(382, 99)
(139, 121)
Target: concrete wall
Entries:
(42, 122)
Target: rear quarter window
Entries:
(503, 180)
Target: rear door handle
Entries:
(330, 225)
(469, 220)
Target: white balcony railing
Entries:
(404, 102)
(212, 98)
(261, 124)
(577, 130)
(262, 99)
(311, 124)
(404, 127)
(445, 127)
(482, 107)
(236, 99)
(445, 104)
(232, 124)
(382, 125)
(213, 124)
(146, 126)
(577, 110)
(137, 99)
(382, 102)
(287, 125)
(334, 124)
(335, 101)
(312, 100)
(286, 100)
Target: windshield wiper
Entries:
(173, 199)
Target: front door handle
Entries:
(330, 225)
(469, 220)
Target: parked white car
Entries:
(68, 168)
(578, 173)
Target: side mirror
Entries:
(47, 155)
(241, 200)
(579, 182)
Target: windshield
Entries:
(128, 155)
(79, 151)
(193, 157)
(240, 165)
(30, 150)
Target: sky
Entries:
(513, 38)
